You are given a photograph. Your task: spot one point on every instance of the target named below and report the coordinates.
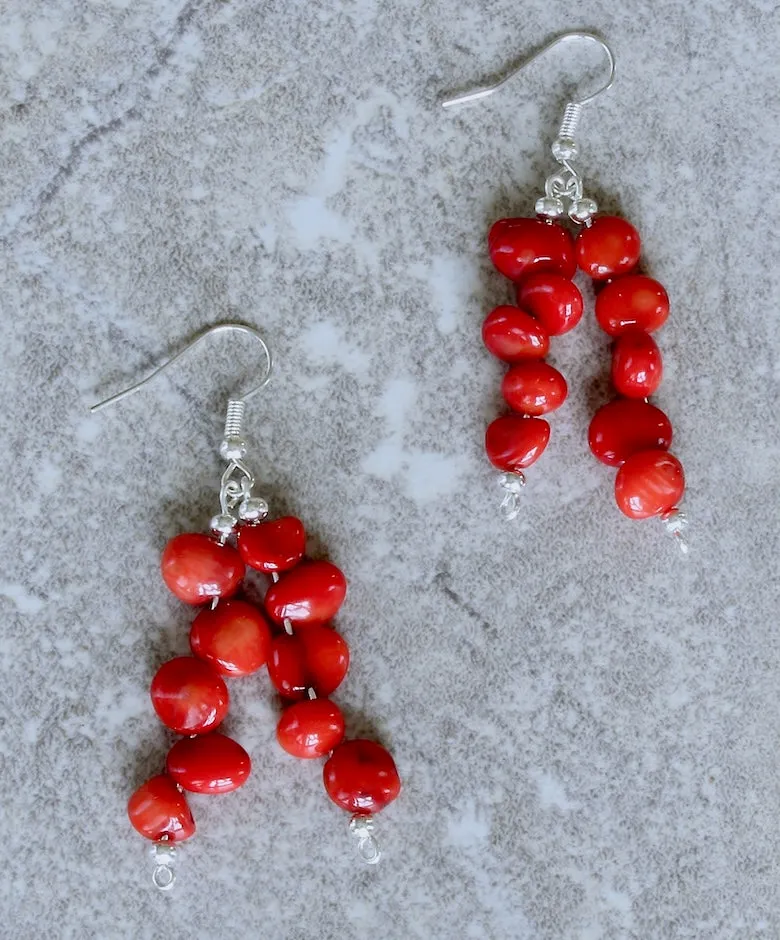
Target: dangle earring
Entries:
(232, 637)
(540, 256)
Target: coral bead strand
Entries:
(538, 256)
(229, 637)
(629, 432)
(307, 662)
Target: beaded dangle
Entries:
(540, 256)
(232, 637)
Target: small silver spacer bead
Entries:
(676, 522)
(252, 509)
(564, 148)
(582, 210)
(233, 448)
(551, 207)
(223, 524)
(361, 824)
(511, 482)
(164, 853)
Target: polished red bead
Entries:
(361, 777)
(197, 568)
(311, 593)
(553, 300)
(514, 443)
(158, 809)
(649, 483)
(637, 366)
(272, 546)
(534, 388)
(211, 763)
(234, 638)
(608, 247)
(512, 334)
(519, 247)
(311, 728)
(188, 696)
(316, 658)
(624, 427)
(635, 302)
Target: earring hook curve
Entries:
(478, 94)
(196, 341)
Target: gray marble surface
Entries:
(586, 726)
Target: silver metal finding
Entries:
(478, 94)
(235, 493)
(164, 856)
(512, 484)
(676, 522)
(362, 827)
(211, 331)
(563, 189)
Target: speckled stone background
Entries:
(586, 725)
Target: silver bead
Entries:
(233, 448)
(361, 824)
(164, 853)
(564, 148)
(252, 509)
(583, 209)
(511, 482)
(551, 207)
(675, 523)
(223, 524)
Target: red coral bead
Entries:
(311, 728)
(512, 334)
(553, 300)
(608, 247)
(197, 568)
(212, 763)
(514, 443)
(316, 658)
(534, 388)
(649, 483)
(234, 638)
(361, 777)
(637, 366)
(632, 303)
(272, 546)
(188, 696)
(519, 247)
(158, 809)
(311, 593)
(624, 427)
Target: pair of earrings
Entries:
(291, 631)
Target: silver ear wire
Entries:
(235, 496)
(196, 341)
(478, 94)
(563, 191)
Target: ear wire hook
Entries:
(564, 188)
(479, 93)
(196, 341)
